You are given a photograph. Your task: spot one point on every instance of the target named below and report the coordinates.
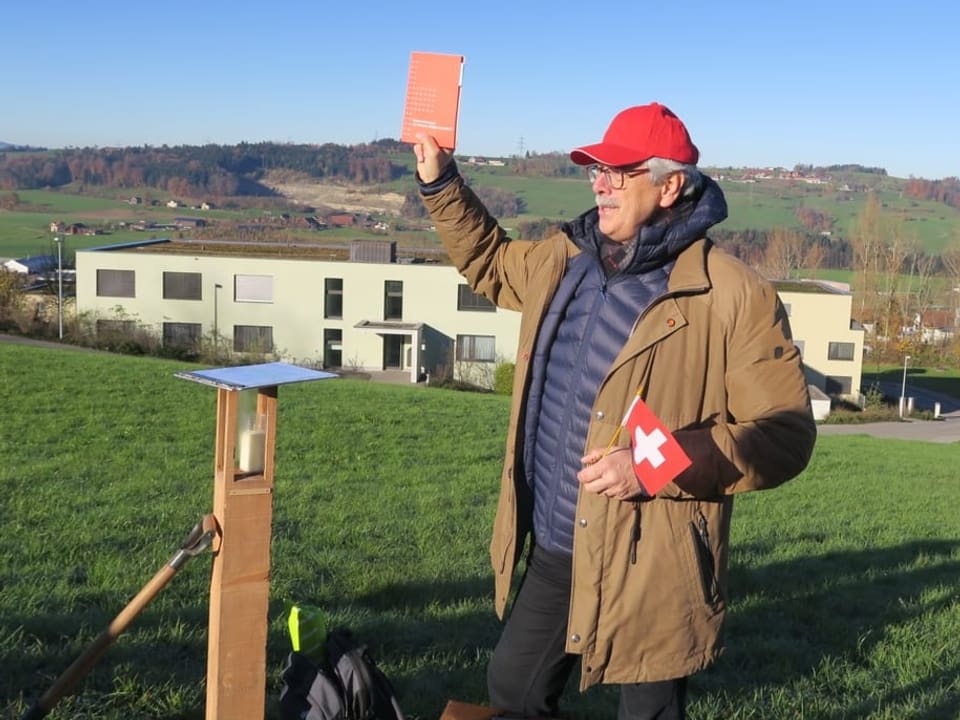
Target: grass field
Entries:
(844, 582)
(26, 233)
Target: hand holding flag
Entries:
(657, 456)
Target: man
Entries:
(630, 296)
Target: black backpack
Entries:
(345, 684)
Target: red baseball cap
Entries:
(637, 134)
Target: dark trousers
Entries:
(530, 667)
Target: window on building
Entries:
(467, 299)
(253, 338)
(182, 286)
(182, 335)
(476, 348)
(333, 299)
(839, 385)
(840, 351)
(393, 300)
(332, 348)
(253, 288)
(115, 328)
(116, 283)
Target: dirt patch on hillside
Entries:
(336, 196)
(105, 214)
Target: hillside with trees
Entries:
(196, 171)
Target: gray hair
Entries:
(661, 168)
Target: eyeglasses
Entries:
(615, 177)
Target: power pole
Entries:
(59, 242)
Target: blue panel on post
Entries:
(247, 377)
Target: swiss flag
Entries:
(657, 456)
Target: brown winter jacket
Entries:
(718, 367)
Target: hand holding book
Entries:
(432, 160)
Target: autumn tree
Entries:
(814, 220)
(413, 206)
(11, 296)
(950, 258)
(784, 256)
(882, 251)
(920, 287)
(501, 203)
(9, 201)
(865, 240)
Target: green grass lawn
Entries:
(844, 582)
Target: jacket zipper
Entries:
(635, 532)
(704, 558)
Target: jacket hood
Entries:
(661, 241)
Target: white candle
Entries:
(252, 447)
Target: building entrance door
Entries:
(393, 352)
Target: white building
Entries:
(32, 265)
(831, 347)
(373, 313)
(359, 315)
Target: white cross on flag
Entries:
(657, 456)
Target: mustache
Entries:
(605, 202)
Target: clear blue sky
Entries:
(757, 82)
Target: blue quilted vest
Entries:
(587, 323)
(585, 327)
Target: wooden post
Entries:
(240, 585)
(243, 508)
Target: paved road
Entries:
(946, 430)
(938, 431)
(922, 399)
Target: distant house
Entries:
(342, 220)
(76, 229)
(32, 265)
(57, 227)
(173, 203)
(207, 206)
(189, 222)
(934, 326)
(486, 161)
(135, 200)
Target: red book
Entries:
(433, 98)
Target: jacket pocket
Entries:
(703, 556)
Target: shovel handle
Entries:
(199, 539)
